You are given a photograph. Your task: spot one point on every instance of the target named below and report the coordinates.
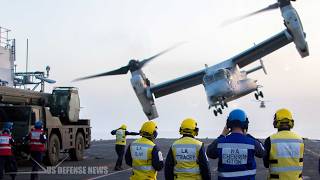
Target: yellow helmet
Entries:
(123, 126)
(189, 126)
(281, 117)
(149, 129)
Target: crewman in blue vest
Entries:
(187, 158)
(284, 156)
(143, 155)
(236, 151)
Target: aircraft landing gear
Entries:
(258, 94)
(223, 105)
(216, 111)
(218, 108)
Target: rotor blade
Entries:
(122, 70)
(50, 81)
(145, 61)
(231, 21)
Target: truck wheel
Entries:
(76, 153)
(53, 150)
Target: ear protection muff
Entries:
(153, 135)
(244, 125)
(194, 133)
(277, 123)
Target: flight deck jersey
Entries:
(121, 137)
(236, 157)
(141, 153)
(5, 146)
(35, 140)
(286, 156)
(186, 152)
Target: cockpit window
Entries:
(222, 74)
(208, 78)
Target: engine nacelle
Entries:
(293, 23)
(141, 88)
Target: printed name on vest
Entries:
(234, 156)
(4, 140)
(139, 152)
(186, 154)
(288, 150)
(35, 135)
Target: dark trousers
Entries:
(36, 159)
(120, 152)
(9, 164)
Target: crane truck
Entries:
(59, 112)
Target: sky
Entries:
(79, 38)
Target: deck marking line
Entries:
(312, 152)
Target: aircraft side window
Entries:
(221, 74)
(229, 76)
(208, 78)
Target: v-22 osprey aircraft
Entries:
(222, 82)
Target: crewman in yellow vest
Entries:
(143, 155)
(121, 142)
(186, 159)
(284, 149)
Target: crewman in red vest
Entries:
(37, 143)
(7, 160)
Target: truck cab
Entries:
(59, 112)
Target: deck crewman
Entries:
(120, 147)
(143, 155)
(37, 144)
(7, 159)
(285, 149)
(236, 151)
(187, 157)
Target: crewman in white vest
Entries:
(284, 149)
(121, 134)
